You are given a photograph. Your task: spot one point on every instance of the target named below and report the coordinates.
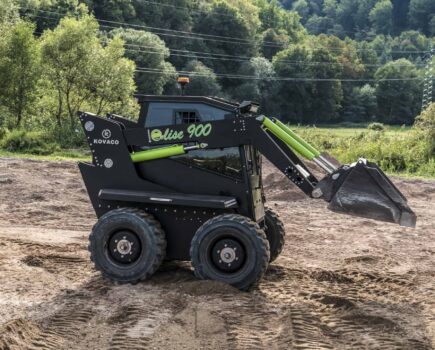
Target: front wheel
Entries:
(230, 248)
(127, 245)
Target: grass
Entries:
(397, 150)
(340, 131)
(71, 155)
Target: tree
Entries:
(346, 12)
(398, 100)
(310, 90)
(400, 15)
(263, 88)
(432, 25)
(74, 60)
(203, 81)
(19, 69)
(68, 54)
(302, 8)
(272, 16)
(115, 10)
(362, 105)
(420, 13)
(273, 42)
(8, 11)
(250, 14)
(149, 52)
(224, 20)
(409, 41)
(292, 96)
(317, 25)
(172, 15)
(47, 13)
(326, 95)
(111, 83)
(381, 17)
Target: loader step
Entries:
(191, 200)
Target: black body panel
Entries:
(175, 199)
(196, 193)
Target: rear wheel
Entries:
(127, 245)
(232, 249)
(275, 233)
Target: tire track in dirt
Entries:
(128, 318)
(347, 308)
(70, 326)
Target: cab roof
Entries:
(211, 101)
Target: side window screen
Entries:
(186, 117)
(226, 161)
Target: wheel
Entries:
(275, 233)
(127, 245)
(230, 248)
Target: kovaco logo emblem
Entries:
(106, 133)
(106, 140)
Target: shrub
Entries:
(425, 125)
(67, 138)
(3, 132)
(28, 142)
(376, 127)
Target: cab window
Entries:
(186, 117)
(222, 161)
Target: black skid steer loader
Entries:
(184, 183)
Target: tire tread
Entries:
(160, 244)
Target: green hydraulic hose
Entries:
(162, 152)
(287, 139)
(297, 138)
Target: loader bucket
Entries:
(362, 189)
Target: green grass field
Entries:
(340, 131)
(397, 150)
(72, 155)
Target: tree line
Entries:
(319, 61)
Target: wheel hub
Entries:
(228, 255)
(124, 247)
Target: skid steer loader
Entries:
(184, 183)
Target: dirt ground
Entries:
(341, 282)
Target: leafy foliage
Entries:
(305, 61)
(398, 101)
(19, 69)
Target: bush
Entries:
(405, 152)
(3, 132)
(67, 138)
(28, 142)
(376, 127)
(425, 125)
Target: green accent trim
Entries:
(297, 137)
(287, 139)
(158, 153)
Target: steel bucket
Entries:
(362, 189)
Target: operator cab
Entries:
(240, 165)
